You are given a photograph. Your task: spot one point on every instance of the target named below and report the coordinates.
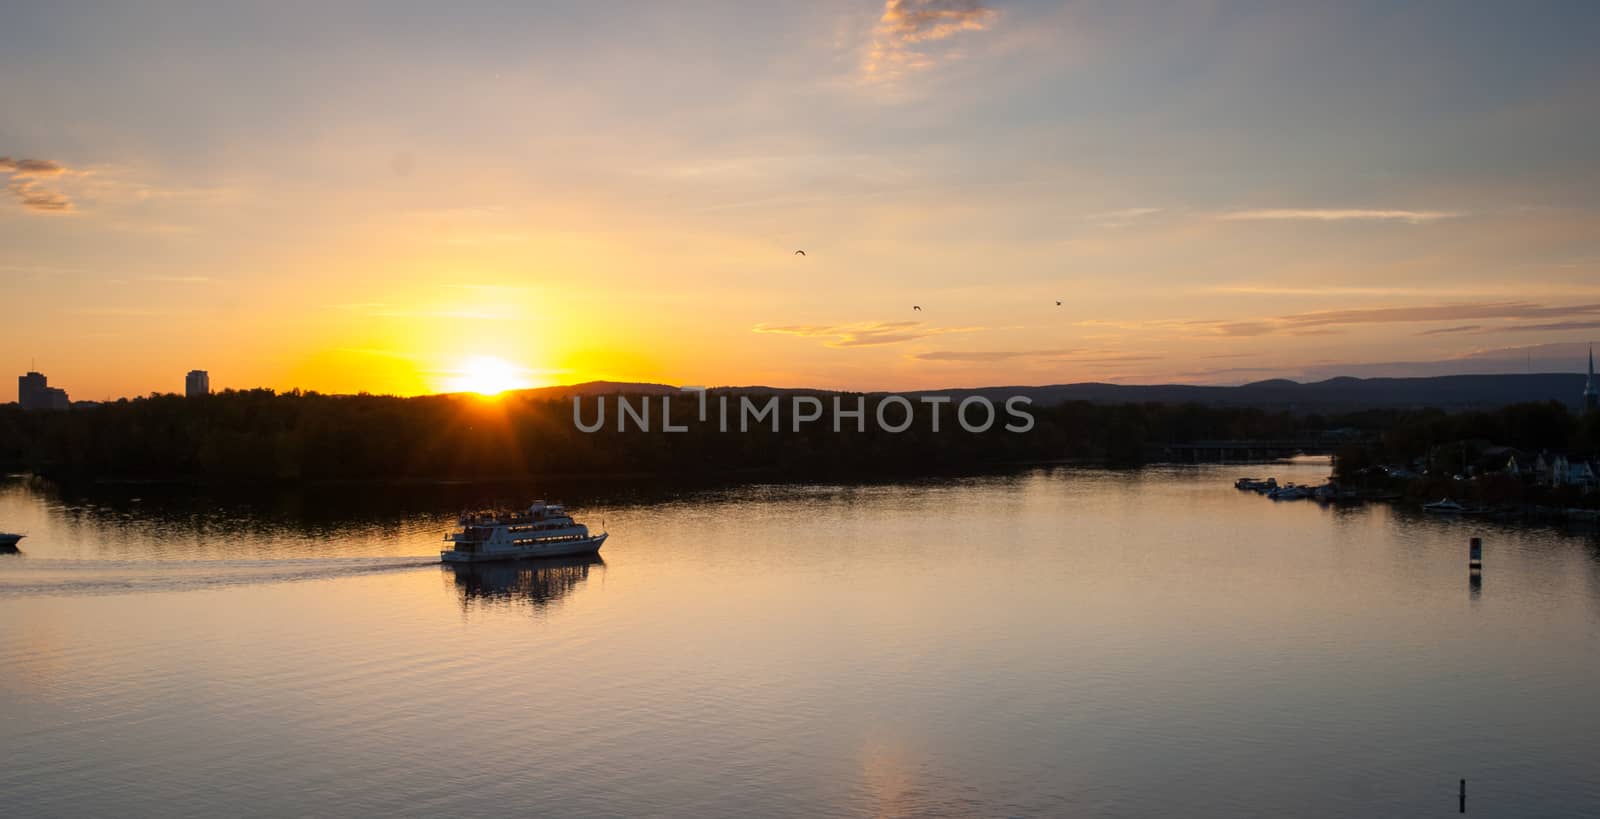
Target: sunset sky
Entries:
(348, 196)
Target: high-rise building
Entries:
(35, 393)
(1591, 398)
(197, 383)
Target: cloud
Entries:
(862, 334)
(179, 279)
(904, 39)
(1327, 322)
(1072, 356)
(1439, 312)
(30, 167)
(1122, 217)
(1125, 213)
(1242, 328)
(34, 197)
(24, 185)
(977, 356)
(1216, 372)
(1549, 328)
(1334, 290)
(1338, 215)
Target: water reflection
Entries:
(1060, 642)
(535, 583)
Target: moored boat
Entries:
(541, 530)
(9, 540)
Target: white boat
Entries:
(9, 541)
(1444, 506)
(541, 530)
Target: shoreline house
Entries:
(1568, 470)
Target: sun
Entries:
(487, 375)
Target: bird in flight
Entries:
(799, 253)
(916, 308)
(1058, 302)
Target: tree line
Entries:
(261, 435)
(295, 436)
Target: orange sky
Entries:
(375, 200)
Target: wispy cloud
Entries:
(1222, 372)
(24, 185)
(179, 279)
(1076, 355)
(1336, 290)
(1242, 328)
(1125, 213)
(30, 167)
(1461, 328)
(905, 38)
(1552, 327)
(1326, 322)
(119, 311)
(1338, 215)
(962, 356)
(862, 334)
(1439, 312)
(1122, 217)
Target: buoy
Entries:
(1475, 558)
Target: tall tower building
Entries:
(35, 393)
(1591, 398)
(197, 383)
(31, 390)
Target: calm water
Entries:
(1054, 643)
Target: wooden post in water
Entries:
(1475, 558)
(1464, 786)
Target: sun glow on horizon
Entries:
(488, 376)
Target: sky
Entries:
(397, 197)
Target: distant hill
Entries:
(1450, 392)
(589, 388)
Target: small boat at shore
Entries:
(1258, 486)
(1445, 506)
(541, 530)
(9, 540)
